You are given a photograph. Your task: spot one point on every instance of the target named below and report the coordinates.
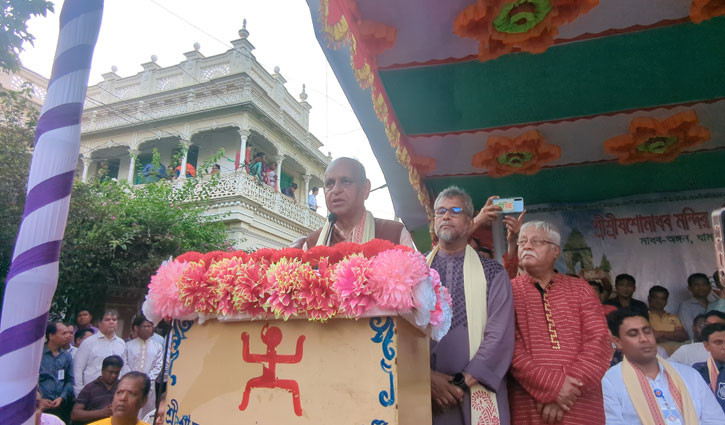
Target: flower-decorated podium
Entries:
(331, 335)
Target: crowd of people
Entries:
(89, 374)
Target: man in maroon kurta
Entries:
(346, 189)
(562, 346)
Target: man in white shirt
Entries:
(312, 198)
(143, 354)
(89, 357)
(695, 352)
(646, 389)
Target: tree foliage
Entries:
(14, 28)
(117, 236)
(18, 118)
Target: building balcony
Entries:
(238, 188)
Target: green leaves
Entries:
(117, 235)
(14, 29)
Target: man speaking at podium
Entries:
(346, 189)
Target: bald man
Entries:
(346, 189)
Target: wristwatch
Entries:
(460, 381)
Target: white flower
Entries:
(424, 298)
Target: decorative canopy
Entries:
(553, 100)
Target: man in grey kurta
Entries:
(450, 356)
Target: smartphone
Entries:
(510, 205)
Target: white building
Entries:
(189, 112)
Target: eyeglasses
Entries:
(534, 242)
(455, 211)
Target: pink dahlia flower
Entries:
(394, 275)
(249, 292)
(351, 283)
(164, 290)
(195, 290)
(284, 279)
(316, 295)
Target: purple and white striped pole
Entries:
(33, 274)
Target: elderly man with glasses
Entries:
(469, 364)
(562, 345)
(346, 189)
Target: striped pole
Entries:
(33, 274)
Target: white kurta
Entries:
(145, 356)
(619, 409)
(689, 354)
(88, 359)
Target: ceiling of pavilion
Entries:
(552, 100)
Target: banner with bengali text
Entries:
(659, 239)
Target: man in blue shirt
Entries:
(312, 199)
(713, 370)
(55, 382)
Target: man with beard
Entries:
(646, 389)
(346, 189)
(471, 361)
(562, 345)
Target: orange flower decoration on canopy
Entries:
(650, 139)
(525, 154)
(424, 164)
(342, 21)
(506, 26)
(702, 10)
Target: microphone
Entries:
(332, 218)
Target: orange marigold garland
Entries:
(506, 26)
(650, 139)
(526, 154)
(702, 10)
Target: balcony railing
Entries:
(231, 185)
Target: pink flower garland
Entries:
(349, 280)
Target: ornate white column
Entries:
(306, 179)
(185, 151)
(132, 153)
(243, 135)
(278, 159)
(86, 165)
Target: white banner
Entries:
(659, 239)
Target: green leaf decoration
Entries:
(515, 159)
(523, 20)
(657, 145)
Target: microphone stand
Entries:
(332, 218)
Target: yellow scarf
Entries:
(367, 234)
(644, 401)
(713, 372)
(483, 401)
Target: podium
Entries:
(367, 371)
(362, 358)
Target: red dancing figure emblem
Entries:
(271, 337)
